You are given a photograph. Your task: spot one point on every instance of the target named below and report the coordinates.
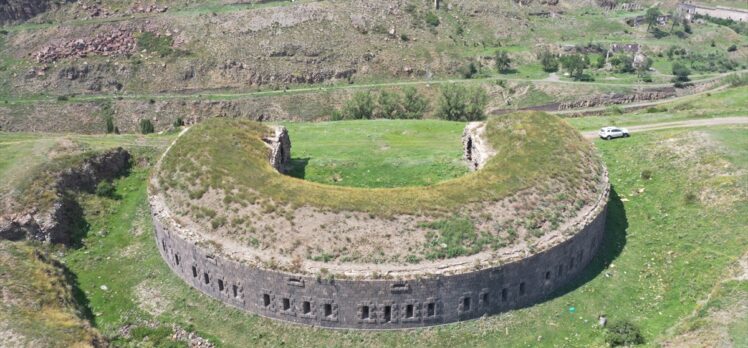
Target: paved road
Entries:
(678, 124)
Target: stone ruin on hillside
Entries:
(476, 150)
(280, 149)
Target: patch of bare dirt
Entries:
(150, 299)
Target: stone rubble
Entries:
(117, 42)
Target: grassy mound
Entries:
(229, 156)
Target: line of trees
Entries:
(456, 102)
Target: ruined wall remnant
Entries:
(280, 149)
(476, 150)
(55, 224)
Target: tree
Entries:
(575, 65)
(389, 105)
(651, 17)
(458, 103)
(361, 106)
(549, 61)
(681, 73)
(109, 125)
(622, 63)
(503, 62)
(414, 105)
(468, 70)
(146, 127)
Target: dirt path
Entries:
(679, 124)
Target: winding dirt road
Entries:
(678, 124)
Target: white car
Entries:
(608, 133)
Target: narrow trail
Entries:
(679, 124)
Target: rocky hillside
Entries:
(20, 10)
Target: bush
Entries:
(146, 127)
(732, 48)
(575, 65)
(622, 63)
(105, 189)
(502, 61)
(414, 105)
(681, 72)
(459, 103)
(432, 19)
(63, 98)
(390, 105)
(178, 122)
(646, 174)
(622, 333)
(468, 70)
(109, 125)
(361, 106)
(549, 61)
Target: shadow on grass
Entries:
(614, 240)
(297, 167)
(81, 300)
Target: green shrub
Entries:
(361, 106)
(459, 103)
(623, 333)
(502, 61)
(389, 105)
(622, 63)
(432, 19)
(105, 189)
(62, 98)
(575, 65)
(109, 124)
(548, 60)
(146, 127)
(681, 73)
(646, 174)
(732, 48)
(178, 122)
(414, 105)
(468, 70)
(452, 237)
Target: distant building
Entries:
(689, 10)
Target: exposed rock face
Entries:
(477, 151)
(21, 10)
(55, 224)
(280, 149)
(619, 98)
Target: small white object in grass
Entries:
(104, 287)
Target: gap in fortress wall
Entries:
(382, 304)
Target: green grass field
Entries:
(378, 153)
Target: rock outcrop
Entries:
(477, 151)
(56, 223)
(20, 10)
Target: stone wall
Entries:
(280, 149)
(734, 14)
(476, 150)
(381, 304)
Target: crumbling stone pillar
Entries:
(280, 149)
(476, 150)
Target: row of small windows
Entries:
(409, 310)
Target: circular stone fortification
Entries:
(527, 220)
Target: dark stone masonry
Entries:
(382, 304)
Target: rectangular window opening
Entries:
(548, 275)
(365, 312)
(504, 294)
(235, 290)
(176, 259)
(484, 298)
(466, 304)
(163, 244)
(206, 278)
(387, 314)
(266, 300)
(220, 285)
(328, 309)
(431, 309)
(194, 271)
(286, 304)
(522, 288)
(306, 307)
(409, 312)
